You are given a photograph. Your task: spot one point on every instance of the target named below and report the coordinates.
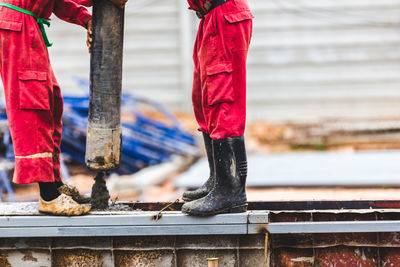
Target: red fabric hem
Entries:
(33, 170)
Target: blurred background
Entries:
(323, 102)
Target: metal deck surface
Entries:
(23, 220)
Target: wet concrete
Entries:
(119, 207)
(24, 208)
(100, 194)
(31, 208)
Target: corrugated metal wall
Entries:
(325, 58)
(309, 58)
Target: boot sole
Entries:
(60, 215)
(234, 209)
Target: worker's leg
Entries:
(33, 130)
(28, 96)
(57, 133)
(225, 81)
(57, 198)
(28, 90)
(32, 125)
(198, 96)
(225, 113)
(209, 184)
(57, 109)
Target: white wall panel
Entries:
(327, 58)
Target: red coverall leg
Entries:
(219, 85)
(33, 97)
(57, 134)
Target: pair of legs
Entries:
(36, 129)
(34, 109)
(219, 101)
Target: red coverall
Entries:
(33, 98)
(220, 54)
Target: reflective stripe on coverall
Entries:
(33, 97)
(219, 82)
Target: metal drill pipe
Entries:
(104, 132)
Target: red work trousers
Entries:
(219, 84)
(36, 136)
(32, 94)
(34, 108)
(34, 111)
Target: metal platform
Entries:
(279, 233)
(22, 220)
(146, 219)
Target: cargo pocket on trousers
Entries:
(34, 92)
(239, 30)
(219, 84)
(15, 26)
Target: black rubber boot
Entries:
(209, 184)
(228, 194)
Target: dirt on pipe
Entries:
(100, 194)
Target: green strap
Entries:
(41, 22)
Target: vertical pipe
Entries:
(104, 134)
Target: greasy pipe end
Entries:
(103, 149)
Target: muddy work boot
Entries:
(228, 194)
(73, 192)
(63, 206)
(209, 184)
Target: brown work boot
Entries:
(63, 205)
(73, 192)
